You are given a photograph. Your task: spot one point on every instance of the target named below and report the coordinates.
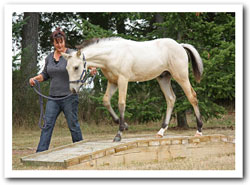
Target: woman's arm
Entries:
(39, 78)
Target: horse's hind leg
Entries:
(111, 89)
(191, 95)
(165, 83)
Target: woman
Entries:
(55, 70)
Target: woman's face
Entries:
(59, 44)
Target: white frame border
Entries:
(9, 9)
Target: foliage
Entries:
(89, 30)
(213, 35)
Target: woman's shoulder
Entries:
(50, 54)
(49, 57)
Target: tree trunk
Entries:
(120, 25)
(29, 46)
(160, 19)
(182, 120)
(181, 116)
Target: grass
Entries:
(25, 141)
(221, 162)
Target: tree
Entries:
(24, 26)
(213, 36)
(29, 45)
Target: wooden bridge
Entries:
(91, 154)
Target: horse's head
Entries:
(75, 67)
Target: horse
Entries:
(122, 61)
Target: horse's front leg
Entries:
(122, 86)
(111, 89)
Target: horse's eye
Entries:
(76, 68)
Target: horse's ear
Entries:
(66, 55)
(78, 54)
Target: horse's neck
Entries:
(97, 56)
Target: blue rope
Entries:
(41, 96)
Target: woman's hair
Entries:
(57, 34)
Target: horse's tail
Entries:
(197, 63)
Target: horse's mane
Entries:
(93, 41)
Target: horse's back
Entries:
(145, 60)
(142, 60)
(163, 49)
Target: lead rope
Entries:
(42, 116)
(41, 96)
(41, 106)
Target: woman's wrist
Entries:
(39, 78)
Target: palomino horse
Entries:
(123, 61)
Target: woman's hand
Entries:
(93, 71)
(39, 78)
(32, 82)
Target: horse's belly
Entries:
(141, 77)
(110, 76)
(147, 71)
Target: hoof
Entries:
(117, 138)
(198, 134)
(160, 133)
(126, 126)
(123, 127)
(158, 136)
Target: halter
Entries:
(82, 79)
(83, 72)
